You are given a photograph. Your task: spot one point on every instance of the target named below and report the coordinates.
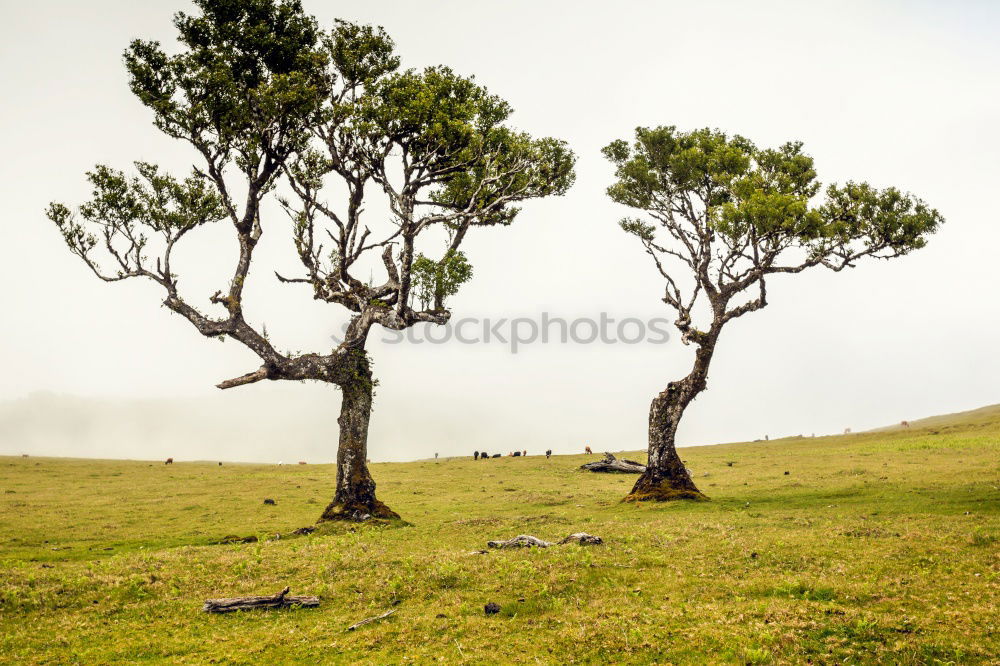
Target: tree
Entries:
(721, 217)
(268, 101)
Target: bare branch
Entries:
(249, 378)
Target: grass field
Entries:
(870, 548)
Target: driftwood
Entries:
(280, 600)
(371, 619)
(612, 464)
(528, 541)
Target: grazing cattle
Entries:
(496, 455)
(847, 431)
(170, 461)
(475, 455)
(516, 454)
(905, 424)
(269, 501)
(548, 454)
(220, 464)
(24, 455)
(302, 462)
(588, 451)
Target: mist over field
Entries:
(276, 424)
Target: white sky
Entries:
(895, 93)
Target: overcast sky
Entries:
(894, 93)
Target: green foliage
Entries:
(248, 85)
(450, 132)
(360, 54)
(127, 209)
(434, 281)
(759, 196)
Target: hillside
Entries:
(880, 547)
(984, 417)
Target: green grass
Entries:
(874, 548)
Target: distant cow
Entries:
(548, 454)
(496, 455)
(905, 424)
(302, 462)
(524, 453)
(220, 464)
(588, 451)
(475, 455)
(170, 461)
(516, 454)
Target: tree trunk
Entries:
(665, 477)
(355, 497)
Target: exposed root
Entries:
(358, 512)
(665, 490)
(665, 494)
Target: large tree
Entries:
(720, 217)
(273, 105)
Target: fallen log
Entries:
(528, 541)
(612, 464)
(520, 541)
(280, 600)
(583, 539)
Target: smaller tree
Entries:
(721, 216)
(434, 281)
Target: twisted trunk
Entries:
(355, 497)
(665, 477)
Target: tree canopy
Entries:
(728, 214)
(273, 103)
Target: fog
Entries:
(893, 93)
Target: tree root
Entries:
(677, 486)
(358, 512)
(664, 493)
